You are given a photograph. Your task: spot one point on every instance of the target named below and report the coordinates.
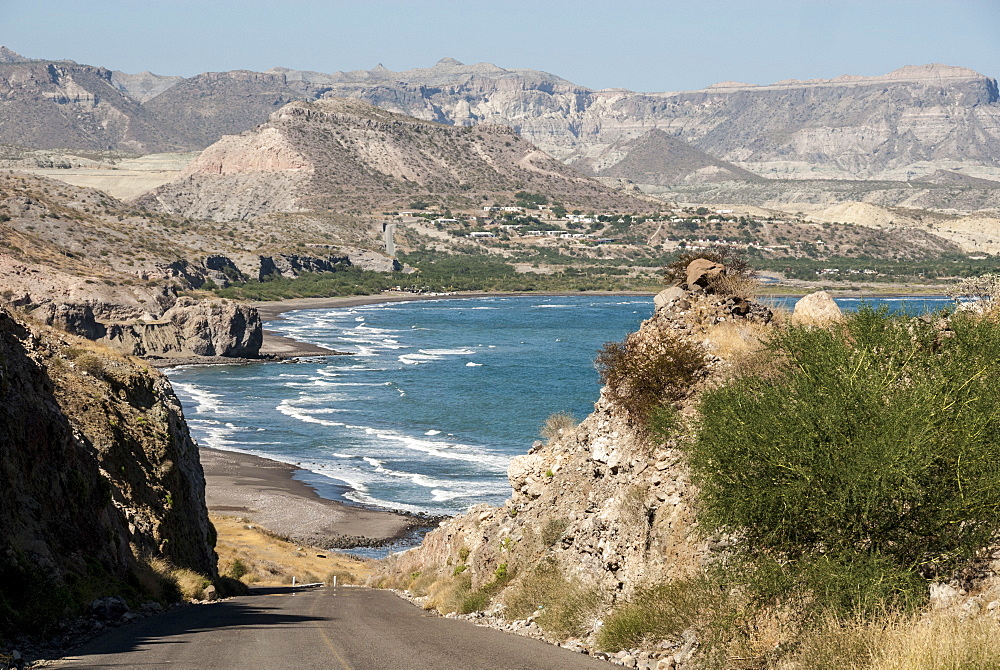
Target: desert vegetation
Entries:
(853, 468)
(837, 484)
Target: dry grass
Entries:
(563, 606)
(940, 641)
(191, 584)
(557, 424)
(736, 285)
(730, 339)
(783, 640)
(268, 560)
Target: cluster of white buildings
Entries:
(836, 271)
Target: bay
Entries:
(435, 398)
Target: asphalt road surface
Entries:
(333, 628)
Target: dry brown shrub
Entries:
(739, 276)
(90, 363)
(557, 424)
(736, 285)
(643, 373)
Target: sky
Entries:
(671, 45)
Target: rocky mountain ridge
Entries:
(345, 153)
(914, 119)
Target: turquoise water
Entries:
(435, 399)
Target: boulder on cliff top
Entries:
(816, 309)
(701, 272)
(667, 296)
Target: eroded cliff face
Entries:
(607, 504)
(100, 477)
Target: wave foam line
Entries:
(446, 450)
(286, 408)
(206, 401)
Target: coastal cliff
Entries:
(103, 488)
(598, 511)
(751, 491)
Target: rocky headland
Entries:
(605, 514)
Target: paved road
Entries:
(342, 628)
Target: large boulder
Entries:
(816, 309)
(668, 296)
(701, 272)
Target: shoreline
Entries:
(273, 309)
(284, 348)
(272, 493)
(266, 492)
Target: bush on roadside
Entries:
(192, 585)
(664, 611)
(878, 441)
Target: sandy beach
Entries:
(264, 492)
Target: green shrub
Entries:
(664, 611)
(645, 375)
(474, 601)
(880, 438)
(238, 569)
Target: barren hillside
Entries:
(348, 155)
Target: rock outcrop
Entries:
(100, 475)
(140, 321)
(611, 508)
(192, 328)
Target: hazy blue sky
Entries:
(642, 45)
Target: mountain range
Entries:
(908, 123)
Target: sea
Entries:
(433, 398)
